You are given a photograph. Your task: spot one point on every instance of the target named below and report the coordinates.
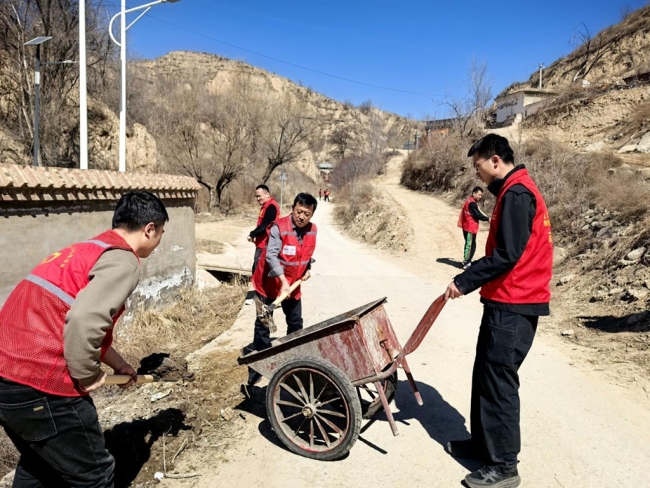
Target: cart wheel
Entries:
(314, 409)
(369, 397)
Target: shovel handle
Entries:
(282, 297)
(123, 379)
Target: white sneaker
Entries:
(248, 301)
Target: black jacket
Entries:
(518, 210)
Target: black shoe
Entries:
(466, 449)
(493, 476)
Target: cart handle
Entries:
(423, 327)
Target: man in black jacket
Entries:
(468, 221)
(514, 278)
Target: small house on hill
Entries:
(525, 102)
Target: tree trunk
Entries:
(273, 163)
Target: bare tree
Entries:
(591, 49)
(285, 133)
(343, 138)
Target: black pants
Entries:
(503, 343)
(256, 258)
(262, 337)
(470, 246)
(59, 439)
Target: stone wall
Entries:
(43, 210)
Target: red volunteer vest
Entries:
(260, 241)
(529, 280)
(465, 220)
(32, 319)
(294, 257)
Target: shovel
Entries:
(123, 379)
(266, 316)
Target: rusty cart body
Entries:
(324, 379)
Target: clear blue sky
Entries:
(417, 46)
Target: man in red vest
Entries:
(286, 259)
(56, 328)
(269, 213)
(514, 277)
(468, 221)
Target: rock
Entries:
(227, 414)
(604, 231)
(644, 144)
(566, 279)
(559, 254)
(158, 476)
(611, 171)
(598, 224)
(647, 284)
(636, 254)
(636, 294)
(568, 333)
(160, 395)
(599, 296)
(595, 146)
(590, 213)
(615, 291)
(586, 227)
(644, 173)
(204, 279)
(628, 148)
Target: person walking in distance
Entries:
(514, 277)
(327, 195)
(320, 194)
(285, 260)
(56, 329)
(468, 221)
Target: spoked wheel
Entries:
(314, 409)
(369, 396)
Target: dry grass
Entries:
(212, 247)
(194, 320)
(8, 454)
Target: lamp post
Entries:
(122, 45)
(283, 178)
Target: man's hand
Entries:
(452, 291)
(307, 276)
(128, 370)
(96, 385)
(249, 238)
(113, 360)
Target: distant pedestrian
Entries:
(468, 221)
(514, 277)
(327, 195)
(320, 194)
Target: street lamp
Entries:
(122, 45)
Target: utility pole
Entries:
(540, 67)
(37, 92)
(417, 141)
(83, 89)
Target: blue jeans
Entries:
(59, 438)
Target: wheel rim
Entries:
(311, 410)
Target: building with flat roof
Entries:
(526, 102)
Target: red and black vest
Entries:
(529, 280)
(465, 220)
(33, 318)
(261, 240)
(294, 257)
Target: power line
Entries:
(349, 80)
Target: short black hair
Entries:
(491, 145)
(263, 187)
(138, 208)
(306, 200)
(477, 188)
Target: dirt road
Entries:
(577, 431)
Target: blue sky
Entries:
(419, 47)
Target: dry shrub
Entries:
(571, 182)
(194, 320)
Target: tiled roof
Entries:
(13, 176)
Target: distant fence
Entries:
(43, 210)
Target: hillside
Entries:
(596, 109)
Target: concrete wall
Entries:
(32, 227)
(509, 105)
